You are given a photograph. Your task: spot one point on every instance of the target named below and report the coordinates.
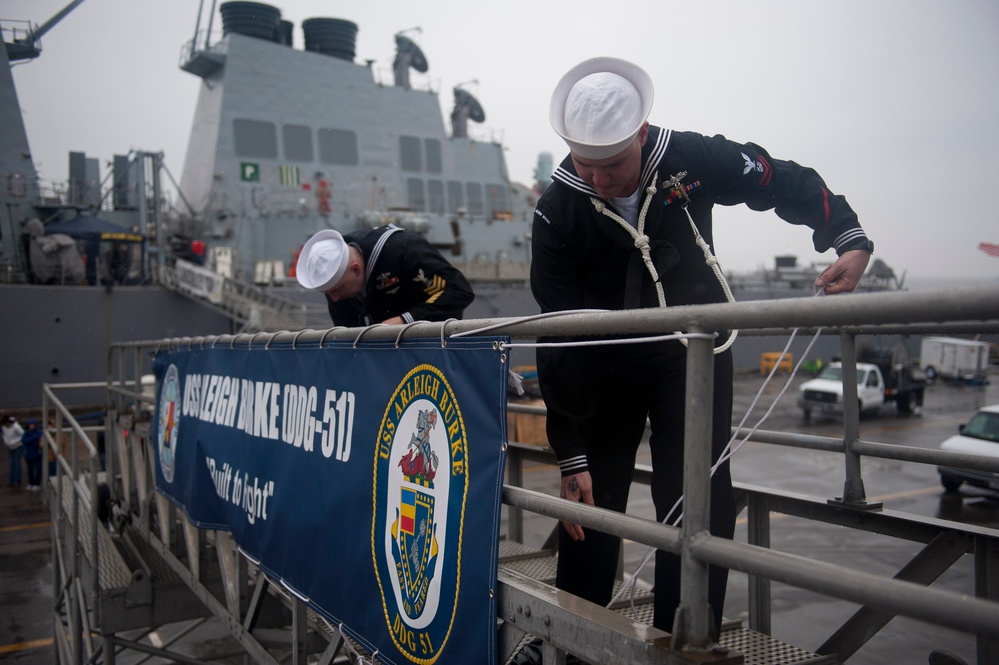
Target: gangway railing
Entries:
(237, 602)
(251, 308)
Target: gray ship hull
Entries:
(61, 334)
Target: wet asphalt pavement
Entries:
(25, 575)
(807, 619)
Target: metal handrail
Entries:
(934, 606)
(236, 294)
(72, 467)
(950, 309)
(973, 307)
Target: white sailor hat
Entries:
(599, 106)
(322, 261)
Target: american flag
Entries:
(989, 248)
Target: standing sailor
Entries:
(382, 275)
(627, 224)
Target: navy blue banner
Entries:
(367, 481)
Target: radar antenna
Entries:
(407, 55)
(466, 107)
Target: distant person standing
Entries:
(382, 275)
(32, 440)
(12, 433)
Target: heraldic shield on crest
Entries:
(421, 484)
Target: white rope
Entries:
(598, 342)
(641, 241)
(523, 319)
(609, 342)
(637, 235)
(712, 261)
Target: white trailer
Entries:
(954, 358)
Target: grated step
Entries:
(756, 648)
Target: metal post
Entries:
(853, 486)
(515, 477)
(692, 626)
(299, 626)
(94, 467)
(56, 510)
(109, 650)
(208, 31)
(48, 444)
(75, 617)
(139, 388)
(197, 24)
(987, 586)
(59, 596)
(141, 194)
(759, 587)
(157, 158)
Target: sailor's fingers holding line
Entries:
(844, 275)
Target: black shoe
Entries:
(945, 658)
(531, 654)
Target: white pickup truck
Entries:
(824, 393)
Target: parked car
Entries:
(979, 436)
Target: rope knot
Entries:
(599, 205)
(642, 242)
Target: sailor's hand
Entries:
(394, 321)
(577, 487)
(844, 275)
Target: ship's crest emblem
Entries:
(421, 482)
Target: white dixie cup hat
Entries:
(599, 106)
(322, 261)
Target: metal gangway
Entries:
(127, 563)
(252, 308)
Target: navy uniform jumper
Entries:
(598, 398)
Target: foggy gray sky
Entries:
(894, 102)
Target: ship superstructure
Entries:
(286, 142)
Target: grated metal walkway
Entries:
(756, 648)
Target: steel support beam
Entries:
(569, 624)
(931, 562)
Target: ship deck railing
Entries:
(156, 551)
(252, 308)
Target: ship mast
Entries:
(28, 47)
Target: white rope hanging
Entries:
(641, 241)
